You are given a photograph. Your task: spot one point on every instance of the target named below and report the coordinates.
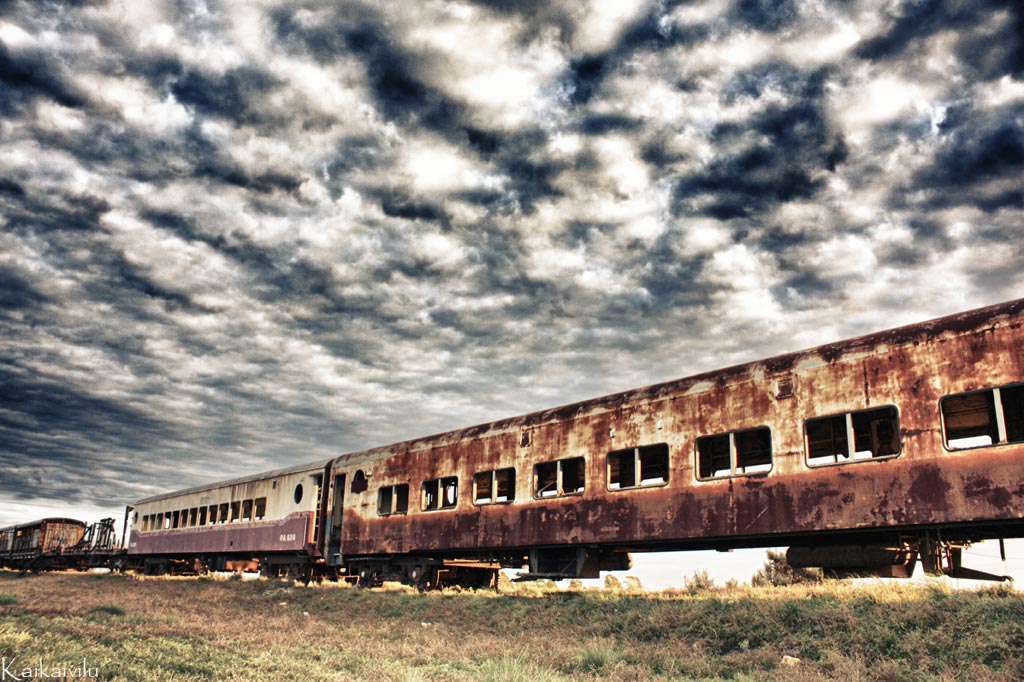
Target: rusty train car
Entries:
(863, 456)
(56, 543)
(25, 545)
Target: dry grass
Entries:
(134, 628)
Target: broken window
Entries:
(260, 508)
(561, 477)
(440, 493)
(247, 510)
(236, 511)
(359, 482)
(193, 516)
(980, 418)
(492, 487)
(867, 434)
(213, 514)
(393, 499)
(748, 451)
(638, 467)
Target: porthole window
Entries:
(298, 493)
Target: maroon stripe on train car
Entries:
(286, 535)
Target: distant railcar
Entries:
(30, 545)
(267, 521)
(863, 456)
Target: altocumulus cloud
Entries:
(240, 235)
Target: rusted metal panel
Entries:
(29, 540)
(911, 368)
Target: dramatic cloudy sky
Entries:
(240, 235)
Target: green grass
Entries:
(144, 629)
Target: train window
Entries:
(852, 436)
(222, 516)
(981, 418)
(561, 477)
(175, 519)
(748, 451)
(260, 511)
(297, 495)
(493, 487)
(247, 510)
(440, 493)
(359, 482)
(393, 499)
(638, 467)
(193, 516)
(167, 520)
(236, 511)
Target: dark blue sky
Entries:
(237, 236)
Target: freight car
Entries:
(60, 543)
(863, 456)
(23, 546)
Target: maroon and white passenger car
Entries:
(863, 456)
(267, 520)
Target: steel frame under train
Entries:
(863, 456)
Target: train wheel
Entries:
(419, 577)
(367, 577)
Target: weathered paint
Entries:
(29, 540)
(290, 534)
(977, 491)
(286, 527)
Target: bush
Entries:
(700, 581)
(612, 584)
(777, 571)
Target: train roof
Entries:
(299, 468)
(52, 519)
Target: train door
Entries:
(333, 553)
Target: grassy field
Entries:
(133, 628)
